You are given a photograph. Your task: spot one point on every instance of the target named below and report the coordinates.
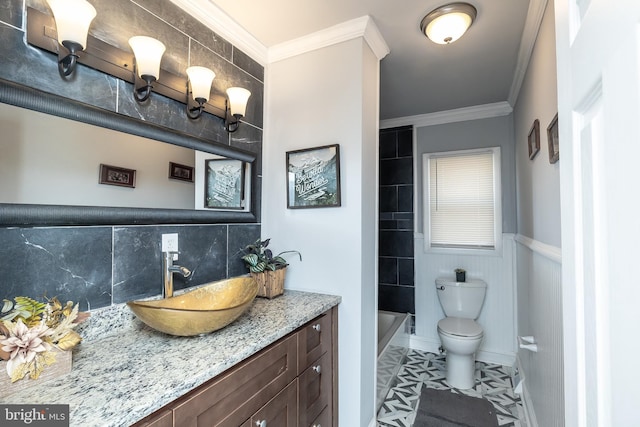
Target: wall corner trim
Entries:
(358, 27)
(217, 20)
(486, 111)
(554, 253)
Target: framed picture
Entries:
(181, 172)
(534, 139)
(554, 140)
(113, 175)
(313, 177)
(224, 184)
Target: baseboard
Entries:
(527, 406)
(432, 346)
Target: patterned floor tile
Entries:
(422, 369)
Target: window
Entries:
(462, 208)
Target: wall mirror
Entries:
(57, 182)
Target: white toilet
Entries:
(460, 335)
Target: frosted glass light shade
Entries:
(448, 23)
(148, 52)
(73, 18)
(201, 79)
(238, 98)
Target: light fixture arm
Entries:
(143, 87)
(194, 110)
(67, 64)
(231, 121)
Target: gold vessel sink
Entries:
(202, 310)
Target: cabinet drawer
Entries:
(281, 411)
(238, 394)
(315, 390)
(162, 418)
(323, 420)
(314, 340)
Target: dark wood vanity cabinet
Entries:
(291, 383)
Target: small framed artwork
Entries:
(554, 140)
(224, 184)
(114, 175)
(534, 139)
(181, 172)
(313, 177)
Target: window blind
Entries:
(462, 200)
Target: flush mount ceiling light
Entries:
(448, 23)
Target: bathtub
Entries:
(393, 345)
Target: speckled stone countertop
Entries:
(124, 371)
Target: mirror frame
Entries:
(15, 214)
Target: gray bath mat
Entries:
(442, 408)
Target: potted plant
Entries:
(461, 274)
(268, 270)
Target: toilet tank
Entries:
(461, 299)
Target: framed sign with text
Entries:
(313, 177)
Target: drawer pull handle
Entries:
(317, 327)
(317, 369)
(262, 423)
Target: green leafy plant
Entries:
(259, 259)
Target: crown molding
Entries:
(217, 20)
(476, 112)
(528, 41)
(358, 27)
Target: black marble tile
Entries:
(240, 235)
(184, 22)
(388, 225)
(406, 271)
(388, 270)
(400, 299)
(405, 198)
(388, 198)
(405, 143)
(245, 62)
(405, 224)
(11, 12)
(33, 67)
(138, 258)
(73, 264)
(403, 215)
(388, 145)
(396, 243)
(386, 216)
(396, 171)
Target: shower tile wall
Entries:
(99, 266)
(396, 271)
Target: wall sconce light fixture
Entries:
(199, 90)
(235, 108)
(448, 23)
(148, 52)
(73, 18)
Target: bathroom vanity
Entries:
(277, 363)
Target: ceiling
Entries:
(417, 76)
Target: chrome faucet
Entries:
(168, 269)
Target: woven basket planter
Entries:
(270, 283)
(60, 367)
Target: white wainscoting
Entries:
(539, 268)
(497, 318)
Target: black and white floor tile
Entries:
(421, 369)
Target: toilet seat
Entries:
(460, 328)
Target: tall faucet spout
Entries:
(168, 269)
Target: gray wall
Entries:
(481, 133)
(98, 266)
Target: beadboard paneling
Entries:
(540, 315)
(498, 313)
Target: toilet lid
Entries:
(460, 327)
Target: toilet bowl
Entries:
(459, 333)
(461, 339)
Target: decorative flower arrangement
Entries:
(29, 330)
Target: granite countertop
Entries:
(124, 370)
